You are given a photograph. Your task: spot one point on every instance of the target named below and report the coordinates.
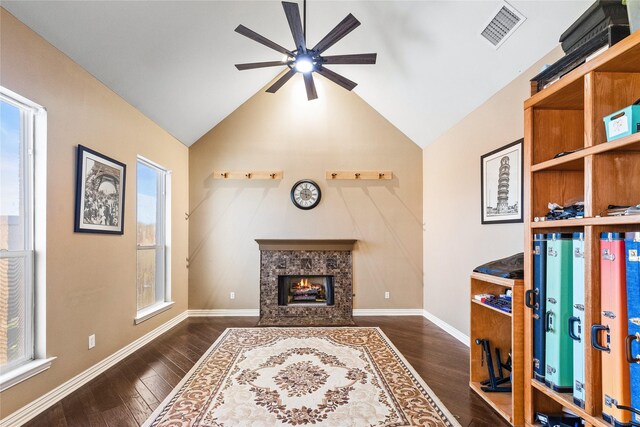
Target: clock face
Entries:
(305, 194)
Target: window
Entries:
(153, 237)
(22, 234)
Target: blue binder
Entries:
(535, 299)
(632, 251)
(576, 321)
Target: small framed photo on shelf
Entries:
(100, 183)
(501, 184)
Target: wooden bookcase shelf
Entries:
(607, 220)
(504, 331)
(575, 161)
(566, 400)
(488, 307)
(563, 117)
(501, 402)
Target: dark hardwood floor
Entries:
(126, 394)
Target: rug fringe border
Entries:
(450, 417)
(196, 366)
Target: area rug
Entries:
(333, 377)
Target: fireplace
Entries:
(310, 290)
(306, 282)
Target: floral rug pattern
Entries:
(325, 377)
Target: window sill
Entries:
(24, 372)
(149, 312)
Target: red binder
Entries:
(609, 336)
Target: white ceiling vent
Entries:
(504, 22)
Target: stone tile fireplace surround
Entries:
(310, 258)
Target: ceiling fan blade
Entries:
(281, 81)
(253, 65)
(310, 86)
(360, 58)
(345, 26)
(295, 24)
(337, 78)
(241, 29)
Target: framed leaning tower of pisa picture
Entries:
(501, 178)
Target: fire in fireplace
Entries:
(316, 290)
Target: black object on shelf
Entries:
(604, 24)
(601, 15)
(558, 420)
(510, 268)
(607, 37)
(502, 304)
(557, 212)
(494, 381)
(564, 153)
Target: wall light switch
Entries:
(386, 295)
(232, 295)
(92, 341)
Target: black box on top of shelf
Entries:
(601, 15)
(605, 38)
(604, 24)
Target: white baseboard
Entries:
(387, 312)
(464, 339)
(35, 407)
(256, 312)
(243, 312)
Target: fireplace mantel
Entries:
(306, 244)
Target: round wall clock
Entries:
(305, 194)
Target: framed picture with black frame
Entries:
(100, 184)
(501, 184)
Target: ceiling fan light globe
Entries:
(303, 65)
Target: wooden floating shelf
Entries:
(258, 175)
(371, 175)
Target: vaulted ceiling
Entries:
(174, 60)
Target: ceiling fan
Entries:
(304, 60)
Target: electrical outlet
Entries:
(92, 341)
(386, 295)
(232, 295)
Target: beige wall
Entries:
(90, 277)
(455, 241)
(304, 139)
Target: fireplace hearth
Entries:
(306, 282)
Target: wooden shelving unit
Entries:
(504, 331)
(563, 117)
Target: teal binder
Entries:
(559, 346)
